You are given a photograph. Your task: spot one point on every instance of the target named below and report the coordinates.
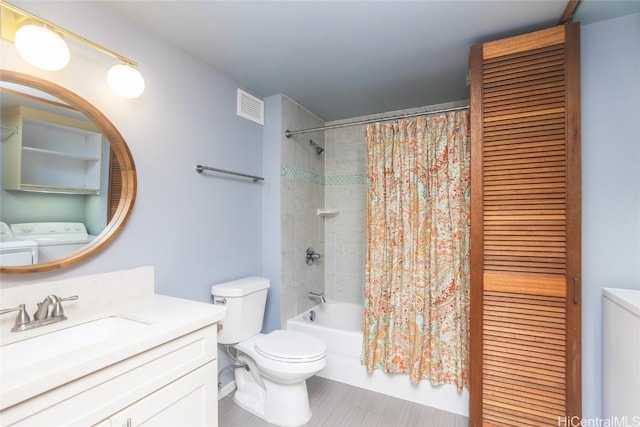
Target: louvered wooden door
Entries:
(115, 186)
(525, 302)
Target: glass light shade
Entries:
(125, 81)
(42, 47)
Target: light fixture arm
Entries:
(24, 14)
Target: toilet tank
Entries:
(245, 300)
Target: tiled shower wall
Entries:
(302, 192)
(345, 243)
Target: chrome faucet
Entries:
(42, 316)
(315, 296)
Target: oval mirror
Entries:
(65, 170)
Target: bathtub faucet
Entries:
(311, 256)
(316, 296)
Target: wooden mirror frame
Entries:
(120, 149)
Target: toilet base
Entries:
(283, 405)
(251, 397)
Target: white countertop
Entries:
(168, 318)
(627, 298)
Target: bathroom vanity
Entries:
(146, 359)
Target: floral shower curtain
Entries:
(417, 268)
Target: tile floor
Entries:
(335, 404)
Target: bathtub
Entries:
(339, 326)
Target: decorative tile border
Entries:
(345, 179)
(297, 174)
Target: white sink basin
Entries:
(38, 349)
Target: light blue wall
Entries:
(96, 207)
(195, 229)
(610, 181)
(21, 206)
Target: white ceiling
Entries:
(343, 59)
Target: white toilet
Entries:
(274, 386)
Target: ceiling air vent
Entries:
(250, 107)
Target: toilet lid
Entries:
(290, 346)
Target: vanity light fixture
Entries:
(125, 81)
(42, 47)
(41, 43)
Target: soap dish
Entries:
(326, 213)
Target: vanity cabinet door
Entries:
(188, 401)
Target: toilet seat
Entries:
(290, 347)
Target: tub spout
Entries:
(315, 296)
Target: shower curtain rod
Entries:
(289, 133)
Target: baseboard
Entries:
(226, 389)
